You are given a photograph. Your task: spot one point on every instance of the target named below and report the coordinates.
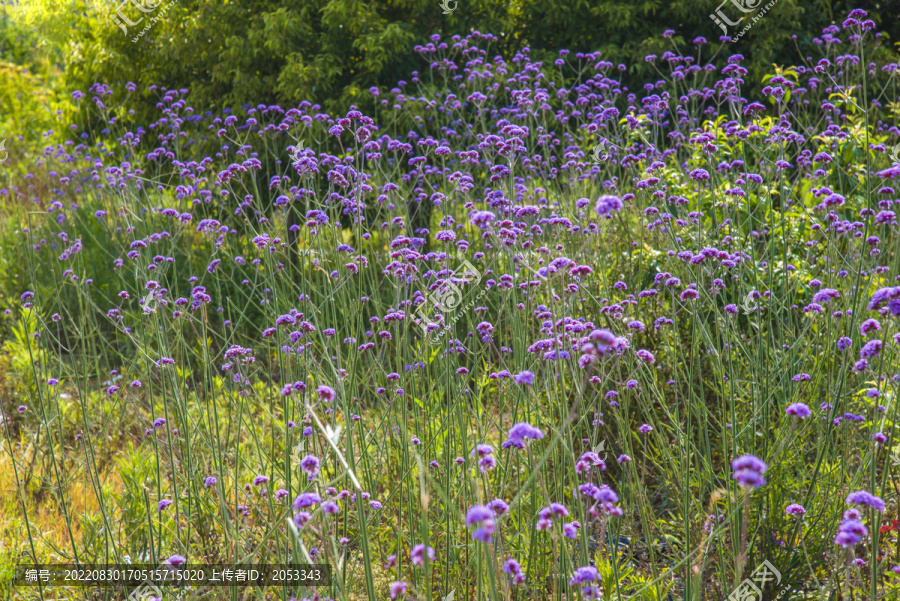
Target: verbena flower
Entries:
(326, 393)
(795, 509)
(862, 497)
(306, 499)
(310, 465)
(418, 554)
(850, 532)
(523, 431)
(798, 410)
(397, 588)
(524, 377)
(607, 204)
(748, 471)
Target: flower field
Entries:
(519, 333)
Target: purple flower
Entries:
(522, 430)
(558, 510)
(825, 295)
(588, 460)
(483, 533)
(498, 506)
(176, 560)
(310, 465)
(482, 450)
(570, 529)
(749, 478)
(795, 509)
(524, 377)
(301, 519)
(879, 297)
(607, 204)
(512, 567)
(306, 499)
(164, 503)
(486, 463)
(418, 553)
(603, 339)
(749, 462)
(798, 410)
(478, 514)
(584, 574)
(645, 356)
(850, 532)
(326, 393)
(862, 497)
(870, 349)
(868, 326)
(260, 480)
(749, 470)
(398, 588)
(481, 218)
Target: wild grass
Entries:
(210, 318)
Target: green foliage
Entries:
(331, 52)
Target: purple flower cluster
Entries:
(748, 471)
